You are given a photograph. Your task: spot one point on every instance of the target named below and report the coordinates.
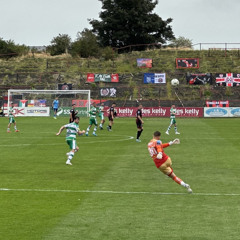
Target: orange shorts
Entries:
(166, 167)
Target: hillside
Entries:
(40, 71)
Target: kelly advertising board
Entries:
(157, 112)
(222, 112)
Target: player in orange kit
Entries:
(162, 160)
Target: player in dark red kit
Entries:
(111, 116)
(73, 113)
(139, 122)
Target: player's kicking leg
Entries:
(180, 182)
(166, 169)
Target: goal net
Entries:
(40, 102)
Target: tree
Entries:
(86, 44)
(60, 44)
(9, 49)
(130, 22)
(181, 42)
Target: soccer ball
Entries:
(174, 82)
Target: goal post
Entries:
(34, 98)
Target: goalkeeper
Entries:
(162, 160)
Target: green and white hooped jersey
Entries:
(93, 112)
(172, 113)
(72, 130)
(100, 111)
(10, 112)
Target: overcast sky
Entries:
(37, 22)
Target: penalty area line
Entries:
(117, 192)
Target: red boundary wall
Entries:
(158, 111)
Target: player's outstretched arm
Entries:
(60, 130)
(81, 132)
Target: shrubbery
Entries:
(10, 49)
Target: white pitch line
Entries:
(117, 192)
(54, 144)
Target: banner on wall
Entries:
(187, 62)
(108, 92)
(23, 103)
(102, 77)
(199, 79)
(30, 111)
(65, 111)
(32, 103)
(222, 112)
(154, 78)
(91, 77)
(157, 112)
(234, 112)
(228, 79)
(64, 86)
(217, 103)
(144, 62)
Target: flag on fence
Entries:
(22, 103)
(228, 79)
(91, 77)
(200, 78)
(154, 78)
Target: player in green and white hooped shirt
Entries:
(93, 119)
(173, 112)
(101, 115)
(11, 119)
(72, 131)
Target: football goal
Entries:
(39, 102)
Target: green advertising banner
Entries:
(102, 77)
(65, 112)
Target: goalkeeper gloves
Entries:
(175, 141)
(159, 156)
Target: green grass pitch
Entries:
(113, 190)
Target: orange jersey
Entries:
(154, 147)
